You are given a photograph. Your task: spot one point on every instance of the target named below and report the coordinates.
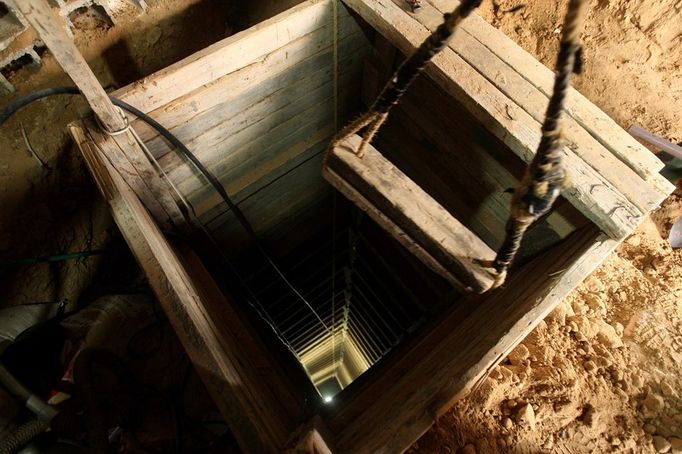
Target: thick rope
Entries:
(404, 76)
(544, 176)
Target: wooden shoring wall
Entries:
(258, 108)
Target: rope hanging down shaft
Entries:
(544, 176)
(404, 76)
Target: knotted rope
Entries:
(404, 76)
(544, 177)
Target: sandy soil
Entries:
(601, 373)
(55, 211)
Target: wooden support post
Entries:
(158, 196)
(40, 15)
(261, 404)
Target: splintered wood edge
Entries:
(453, 239)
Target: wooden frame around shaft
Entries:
(390, 407)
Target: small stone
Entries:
(548, 444)
(649, 428)
(617, 374)
(661, 444)
(511, 403)
(653, 402)
(519, 355)
(667, 390)
(590, 366)
(495, 374)
(675, 445)
(618, 327)
(469, 449)
(615, 441)
(526, 416)
(507, 423)
(606, 334)
(634, 241)
(637, 381)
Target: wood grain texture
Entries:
(40, 15)
(602, 127)
(130, 160)
(394, 408)
(226, 56)
(588, 191)
(261, 412)
(460, 163)
(532, 100)
(409, 214)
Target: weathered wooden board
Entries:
(534, 102)
(594, 120)
(237, 370)
(127, 155)
(451, 154)
(394, 408)
(226, 56)
(410, 215)
(589, 191)
(41, 16)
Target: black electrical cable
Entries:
(14, 106)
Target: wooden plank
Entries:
(394, 409)
(534, 102)
(226, 56)
(40, 15)
(261, 412)
(409, 214)
(459, 157)
(233, 124)
(203, 107)
(591, 193)
(260, 153)
(120, 161)
(142, 176)
(125, 153)
(589, 116)
(273, 209)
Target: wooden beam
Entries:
(235, 52)
(394, 408)
(589, 116)
(40, 15)
(126, 153)
(259, 403)
(410, 215)
(534, 101)
(589, 191)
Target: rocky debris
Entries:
(519, 355)
(675, 445)
(649, 428)
(526, 416)
(560, 314)
(469, 449)
(661, 444)
(653, 403)
(590, 366)
(507, 423)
